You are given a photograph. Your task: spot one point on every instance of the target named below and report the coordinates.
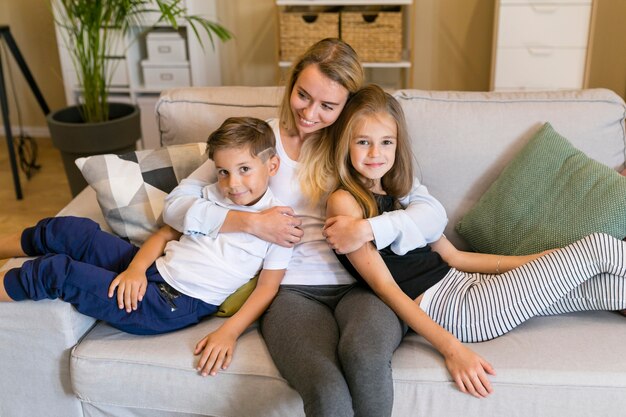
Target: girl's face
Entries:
(373, 147)
(316, 100)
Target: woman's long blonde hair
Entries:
(371, 101)
(336, 60)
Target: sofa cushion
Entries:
(251, 386)
(548, 196)
(131, 188)
(549, 366)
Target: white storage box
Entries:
(165, 75)
(166, 47)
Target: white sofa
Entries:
(56, 362)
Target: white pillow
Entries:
(131, 188)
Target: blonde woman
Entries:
(329, 336)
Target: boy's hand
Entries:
(217, 352)
(469, 371)
(131, 287)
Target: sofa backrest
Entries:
(461, 140)
(190, 114)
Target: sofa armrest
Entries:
(35, 343)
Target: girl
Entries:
(330, 338)
(475, 297)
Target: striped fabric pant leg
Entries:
(589, 274)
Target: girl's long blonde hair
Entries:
(371, 101)
(336, 60)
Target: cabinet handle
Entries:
(543, 8)
(539, 50)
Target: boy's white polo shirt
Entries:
(212, 268)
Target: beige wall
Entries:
(608, 47)
(32, 28)
(452, 46)
(250, 58)
(452, 41)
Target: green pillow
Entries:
(550, 195)
(233, 303)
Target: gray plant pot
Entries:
(76, 139)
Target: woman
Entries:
(331, 338)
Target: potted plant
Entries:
(91, 29)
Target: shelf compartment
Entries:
(376, 35)
(301, 27)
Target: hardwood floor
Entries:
(44, 194)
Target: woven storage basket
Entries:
(375, 36)
(299, 30)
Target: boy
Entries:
(172, 281)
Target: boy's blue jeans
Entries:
(77, 262)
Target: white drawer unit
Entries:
(166, 46)
(541, 44)
(540, 68)
(161, 75)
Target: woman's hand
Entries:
(131, 287)
(277, 225)
(217, 350)
(469, 371)
(345, 234)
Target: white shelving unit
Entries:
(404, 64)
(128, 78)
(541, 44)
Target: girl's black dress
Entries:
(416, 271)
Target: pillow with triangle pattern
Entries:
(131, 188)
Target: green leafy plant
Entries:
(92, 29)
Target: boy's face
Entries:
(241, 177)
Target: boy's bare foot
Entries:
(3, 293)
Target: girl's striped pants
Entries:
(589, 274)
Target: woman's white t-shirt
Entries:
(312, 262)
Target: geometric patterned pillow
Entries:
(131, 188)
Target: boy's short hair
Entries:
(242, 132)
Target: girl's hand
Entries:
(217, 350)
(131, 287)
(278, 225)
(469, 371)
(345, 234)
